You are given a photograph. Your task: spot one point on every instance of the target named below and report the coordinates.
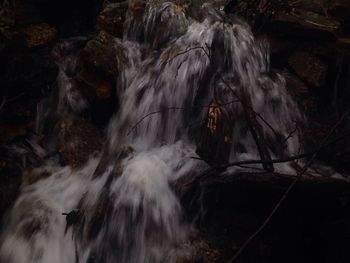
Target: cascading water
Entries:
(127, 211)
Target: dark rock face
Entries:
(104, 54)
(216, 138)
(100, 61)
(309, 68)
(77, 140)
(68, 17)
(10, 179)
(29, 72)
(111, 19)
(99, 91)
(311, 226)
(310, 45)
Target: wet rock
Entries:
(35, 175)
(111, 19)
(16, 117)
(77, 140)
(9, 131)
(69, 17)
(28, 72)
(137, 7)
(10, 179)
(216, 137)
(99, 91)
(170, 23)
(105, 53)
(93, 87)
(304, 24)
(199, 250)
(134, 24)
(72, 218)
(100, 61)
(309, 68)
(41, 34)
(300, 92)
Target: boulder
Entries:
(105, 54)
(38, 35)
(309, 68)
(101, 61)
(111, 19)
(92, 86)
(10, 179)
(216, 137)
(26, 71)
(304, 24)
(99, 91)
(77, 140)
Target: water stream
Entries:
(127, 210)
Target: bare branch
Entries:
(173, 108)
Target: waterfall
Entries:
(126, 208)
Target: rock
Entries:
(280, 45)
(16, 117)
(101, 61)
(111, 19)
(92, 86)
(309, 68)
(72, 218)
(304, 24)
(70, 18)
(236, 204)
(216, 138)
(137, 7)
(318, 6)
(99, 91)
(301, 93)
(26, 71)
(10, 179)
(105, 53)
(77, 140)
(9, 131)
(41, 34)
(35, 175)
(199, 250)
(170, 23)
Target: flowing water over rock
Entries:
(171, 68)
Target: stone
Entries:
(99, 91)
(216, 137)
(301, 93)
(92, 86)
(35, 175)
(10, 179)
(304, 24)
(27, 71)
(170, 23)
(309, 68)
(111, 19)
(77, 140)
(105, 53)
(38, 35)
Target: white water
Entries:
(129, 211)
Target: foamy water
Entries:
(128, 211)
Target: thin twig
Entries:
(174, 108)
(279, 160)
